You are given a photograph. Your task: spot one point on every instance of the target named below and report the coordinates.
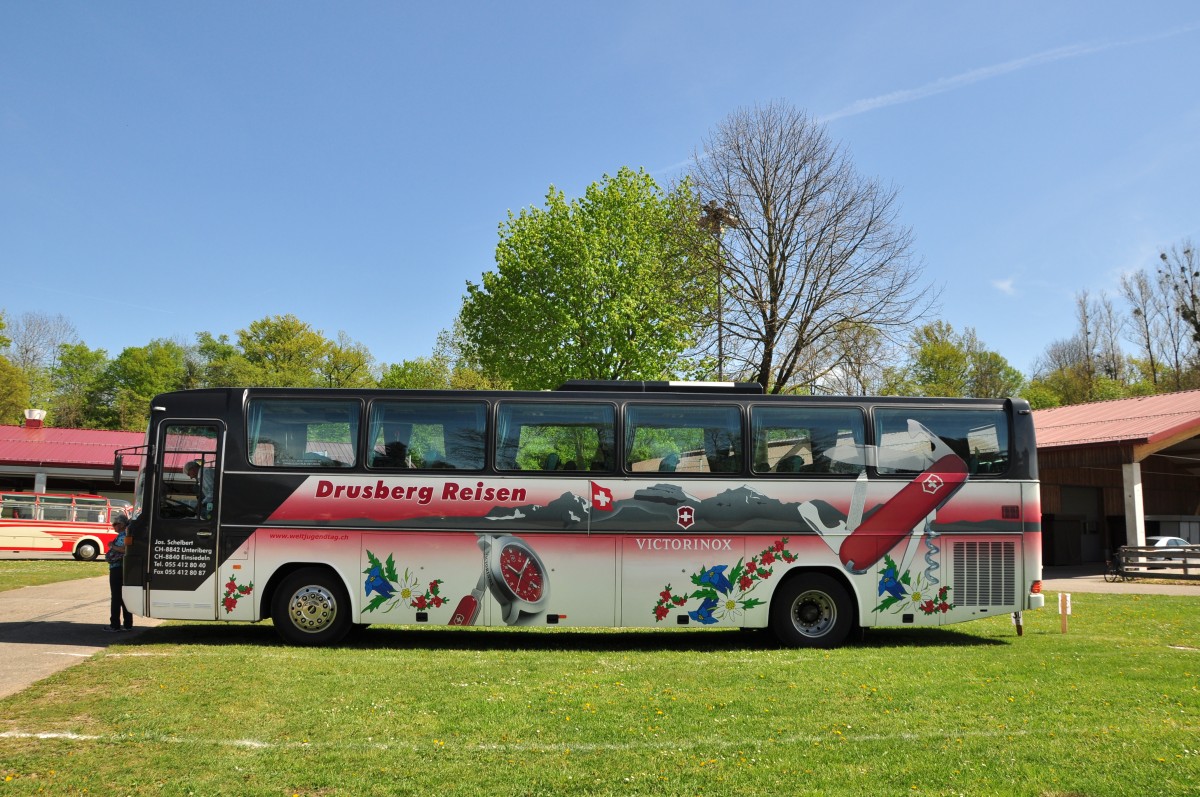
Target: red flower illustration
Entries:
(230, 603)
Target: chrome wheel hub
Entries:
(312, 609)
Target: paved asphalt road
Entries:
(51, 627)
(48, 628)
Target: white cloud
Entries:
(942, 85)
(1005, 287)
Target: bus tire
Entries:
(311, 608)
(812, 610)
(87, 551)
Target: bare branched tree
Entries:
(816, 247)
(34, 344)
(1110, 324)
(1166, 348)
(1146, 320)
(1181, 269)
(36, 338)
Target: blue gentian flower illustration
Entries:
(716, 578)
(705, 613)
(377, 583)
(890, 584)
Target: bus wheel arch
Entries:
(310, 605)
(87, 549)
(813, 608)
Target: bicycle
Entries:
(1112, 573)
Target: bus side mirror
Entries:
(118, 461)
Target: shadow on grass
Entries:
(594, 640)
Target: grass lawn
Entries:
(1111, 708)
(17, 573)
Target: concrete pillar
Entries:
(1135, 512)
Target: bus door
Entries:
(186, 503)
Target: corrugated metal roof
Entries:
(1132, 421)
(53, 447)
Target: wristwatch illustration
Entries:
(516, 577)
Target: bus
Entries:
(599, 504)
(57, 526)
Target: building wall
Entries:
(1074, 536)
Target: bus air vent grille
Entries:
(984, 574)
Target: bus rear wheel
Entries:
(812, 610)
(311, 608)
(87, 551)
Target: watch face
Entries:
(522, 572)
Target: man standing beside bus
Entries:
(204, 487)
(115, 557)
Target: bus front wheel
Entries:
(311, 607)
(812, 610)
(87, 551)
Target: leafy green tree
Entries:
(31, 344)
(992, 376)
(220, 362)
(942, 362)
(609, 286)
(281, 351)
(346, 364)
(422, 373)
(136, 376)
(14, 388)
(1040, 395)
(14, 393)
(77, 401)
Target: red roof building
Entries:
(1114, 471)
(36, 458)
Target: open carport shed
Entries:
(1113, 472)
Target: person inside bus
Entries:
(204, 487)
(115, 557)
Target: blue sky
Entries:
(170, 168)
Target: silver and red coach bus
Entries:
(600, 504)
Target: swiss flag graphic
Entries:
(602, 498)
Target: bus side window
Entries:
(554, 436)
(683, 438)
(303, 433)
(427, 435)
(808, 440)
(978, 436)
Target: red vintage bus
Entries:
(56, 526)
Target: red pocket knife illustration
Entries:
(468, 608)
(872, 538)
